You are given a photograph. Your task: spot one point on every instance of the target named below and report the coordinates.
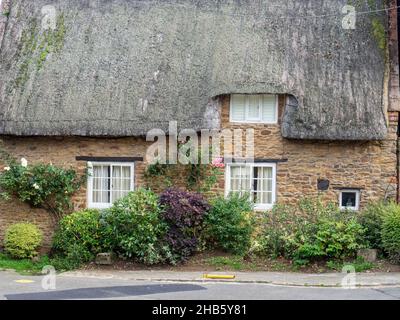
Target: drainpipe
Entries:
(398, 162)
(396, 2)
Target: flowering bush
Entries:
(184, 213)
(218, 163)
(41, 185)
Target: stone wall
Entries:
(63, 152)
(369, 166)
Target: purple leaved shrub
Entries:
(184, 213)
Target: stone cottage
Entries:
(83, 81)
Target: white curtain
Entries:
(101, 179)
(126, 180)
(116, 182)
(105, 188)
(240, 179)
(264, 185)
(121, 181)
(96, 184)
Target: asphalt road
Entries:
(16, 287)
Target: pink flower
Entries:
(218, 163)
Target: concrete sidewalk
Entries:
(275, 278)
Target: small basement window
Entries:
(250, 108)
(349, 199)
(108, 182)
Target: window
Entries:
(256, 179)
(260, 108)
(108, 182)
(349, 199)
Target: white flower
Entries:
(7, 168)
(36, 186)
(24, 162)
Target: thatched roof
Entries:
(121, 67)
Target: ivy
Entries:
(197, 176)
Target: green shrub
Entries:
(229, 224)
(135, 225)
(81, 235)
(75, 256)
(309, 230)
(286, 227)
(391, 233)
(371, 218)
(335, 238)
(359, 264)
(22, 240)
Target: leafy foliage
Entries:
(199, 176)
(371, 218)
(184, 213)
(391, 233)
(41, 185)
(309, 230)
(81, 233)
(229, 224)
(359, 264)
(22, 239)
(334, 238)
(135, 227)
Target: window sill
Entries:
(253, 123)
(99, 206)
(263, 207)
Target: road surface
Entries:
(17, 287)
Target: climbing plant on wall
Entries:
(40, 185)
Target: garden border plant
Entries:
(41, 185)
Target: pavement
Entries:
(275, 278)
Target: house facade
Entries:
(83, 82)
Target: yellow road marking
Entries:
(218, 276)
(24, 281)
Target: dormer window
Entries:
(250, 108)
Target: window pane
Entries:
(121, 181)
(238, 107)
(101, 184)
(256, 180)
(349, 199)
(269, 108)
(253, 111)
(126, 172)
(262, 185)
(240, 178)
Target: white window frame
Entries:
(89, 196)
(358, 194)
(257, 207)
(260, 111)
